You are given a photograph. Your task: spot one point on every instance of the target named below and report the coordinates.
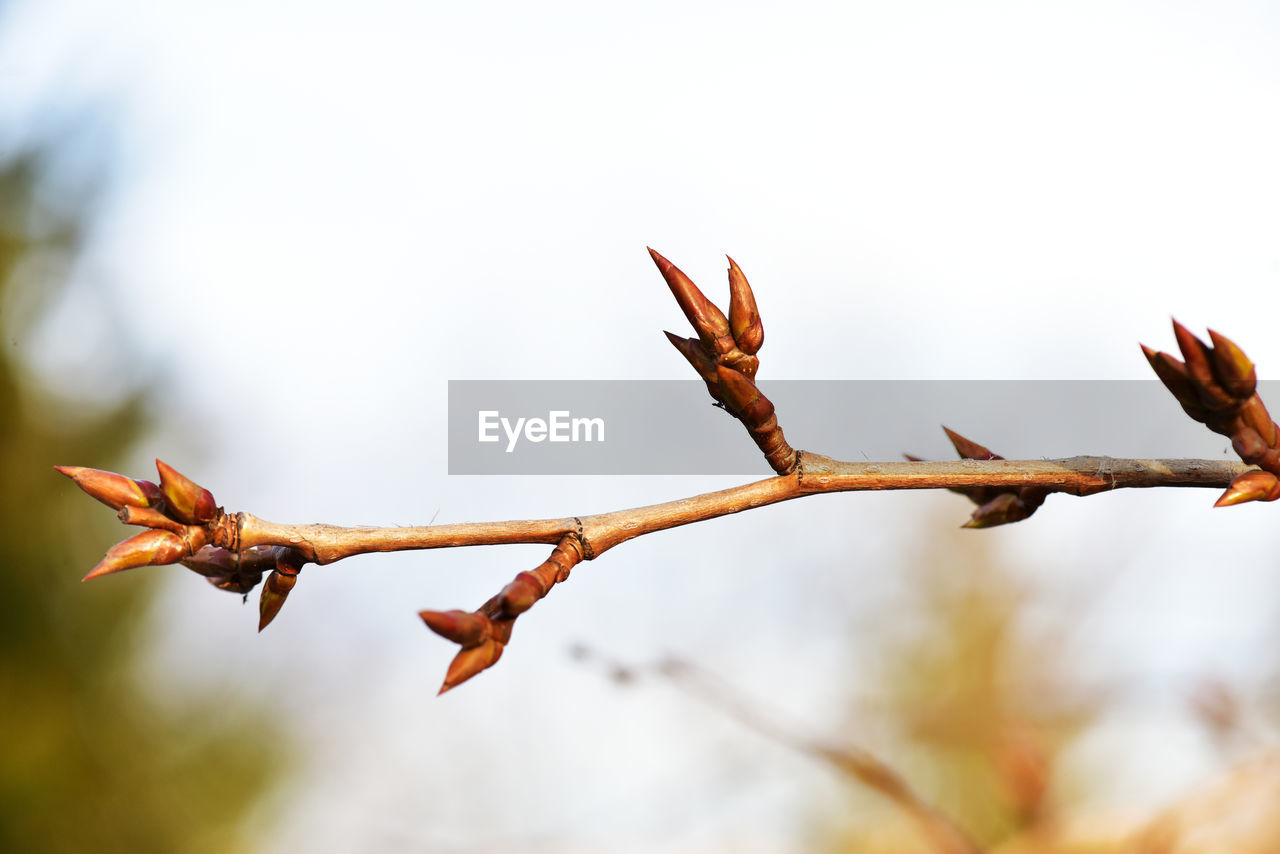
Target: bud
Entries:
(471, 661)
(461, 627)
(692, 350)
(707, 320)
(744, 318)
(969, 450)
(521, 594)
(274, 592)
(1250, 486)
(1254, 413)
(232, 571)
(150, 517)
(1004, 508)
(114, 490)
(742, 397)
(188, 501)
(1233, 368)
(149, 548)
(1195, 353)
(1176, 379)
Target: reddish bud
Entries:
(186, 499)
(740, 393)
(969, 450)
(461, 627)
(1253, 412)
(744, 318)
(521, 594)
(471, 661)
(274, 592)
(149, 548)
(1176, 379)
(150, 517)
(1001, 510)
(1250, 486)
(114, 490)
(1196, 355)
(1232, 367)
(707, 320)
(692, 350)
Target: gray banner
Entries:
(671, 427)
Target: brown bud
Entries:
(692, 350)
(1196, 355)
(1249, 445)
(1176, 379)
(461, 627)
(521, 594)
(739, 394)
(1232, 367)
(187, 501)
(274, 592)
(1254, 413)
(744, 318)
(968, 449)
(149, 548)
(471, 661)
(1001, 510)
(707, 320)
(1250, 486)
(114, 490)
(150, 517)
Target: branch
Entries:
(814, 475)
(1216, 385)
(941, 832)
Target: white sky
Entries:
(325, 213)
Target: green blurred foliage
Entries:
(89, 762)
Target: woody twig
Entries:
(235, 550)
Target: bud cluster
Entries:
(1217, 386)
(185, 525)
(724, 355)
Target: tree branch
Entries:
(1216, 386)
(815, 475)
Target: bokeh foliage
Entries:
(90, 761)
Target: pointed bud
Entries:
(461, 627)
(744, 318)
(188, 501)
(742, 397)
(1176, 379)
(471, 661)
(150, 517)
(114, 490)
(150, 548)
(1001, 510)
(1232, 367)
(227, 570)
(707, 320)
(521, 594)
(692, 350)
(969, 450)
(1250, 486)
(1195, 354)
(1253, 412)
(274, 592)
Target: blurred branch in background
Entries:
(972, 704)
(90, 763)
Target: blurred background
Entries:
(257, 240)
